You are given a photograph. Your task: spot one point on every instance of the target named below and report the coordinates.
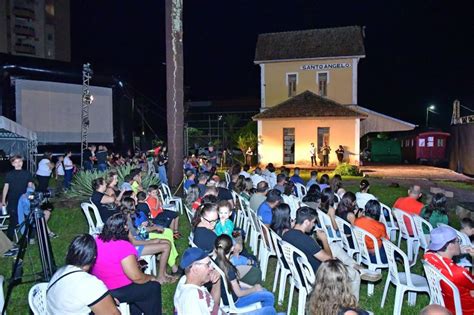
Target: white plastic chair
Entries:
(266, 249)
(231, 308)
(403, 281)
(255, 232)
(169, 198)
(413, 242)
(390, 225)
(326, 225)
(281, 270)
(419, 222)
(94, 227)
(243, 216)
(191, 240)
(360, 237)
(300, 191)
(124, 309)
(227, 178)
(434, 277)
(2, 297)
(354, 251)
(37, 298)
(304, 285)
(151, 260)
(189, 214)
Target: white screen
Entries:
(53, 111)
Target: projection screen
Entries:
(53, 111)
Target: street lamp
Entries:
(429, 109)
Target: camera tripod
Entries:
(35, 219)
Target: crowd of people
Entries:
(138, 223)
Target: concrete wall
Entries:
(343, 131)
(341, 87)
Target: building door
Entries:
(288, 145)
(323, 137)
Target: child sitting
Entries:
(126, 185)
(159, 215)
(467, 227)
(137, 182)
(225, 224)
(236, 259)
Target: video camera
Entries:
(37, 198)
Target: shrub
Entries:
(81, 185)
(346, 169)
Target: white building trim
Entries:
(259, 141)
(355, 62)
(357, 142)
(262, 85)
(290, 73)
(317, 76)
(308, 59)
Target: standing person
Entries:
(16, 183)
(162, 162)
(72, 290)
(88, 157)
(248, 156)
(325, 150)
(340, 154)
(68, 169)
(101, 157)
(212, 156)
(43, 174)
(60, 174)
(312, 154)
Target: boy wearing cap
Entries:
(444, 245)
(191, 297)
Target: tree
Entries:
(245, 140)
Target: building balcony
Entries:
(25, 49)
(24, 13)
(24, 30)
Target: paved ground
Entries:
(414, 172)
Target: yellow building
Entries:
(308, 79)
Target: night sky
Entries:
(417, 52)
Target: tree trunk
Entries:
(174, 91)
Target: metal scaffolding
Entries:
(87, 99)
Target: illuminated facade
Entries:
(308, 94)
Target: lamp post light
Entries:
(429, 109)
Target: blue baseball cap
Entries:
(440, 236)
(192, 255)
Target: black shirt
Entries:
(105, 210)
(86, 155)
(204, 238)
(306, 244)
(231, 275)
(224, 194)
(101, 157)
(17, 181)
(143, 207)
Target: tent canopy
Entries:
(16, 139)
(11, 130)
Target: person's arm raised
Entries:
(105, 306)
(130, 268)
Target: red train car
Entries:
(424, 146)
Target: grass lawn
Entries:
(459, 185)
(69, 222)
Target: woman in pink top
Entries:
(117, 267)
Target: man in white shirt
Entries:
(191, 297)
(245, 171)
(257, 177)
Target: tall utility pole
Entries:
(87, 99)
(174, 89)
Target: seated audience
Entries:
(257, 177)
(369, 222)
(190, 179)
(247, 190)
(269, 175)
(242, 294)
(224, 194)
(72, 290)
(410, 204)
(204, 222)
(245, 171)
(324, 182)
(264, 212)
(193, 200)
(467, 227)
(327, 206)
(281, 182)
(225, 224)
(117, 267)
(436, 212)
(363, 194)
(290, 199)
(313, 180)
(444, 245)
(161, 216)
(281, 220)
(296, 178)
(336, 184)
(191, 295)
(259, 196)
(331, 294)
(202, 181)
(345, 210)
(107, 205)
(313, 197)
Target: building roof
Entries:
(308, 104)
(367, 111)
(308, 44)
